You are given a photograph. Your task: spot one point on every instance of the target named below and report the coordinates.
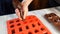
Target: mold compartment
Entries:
(30, 25)
(13, 31)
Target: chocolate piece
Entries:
(52, 17)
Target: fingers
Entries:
(26, 2)
(25, 5)
(25, 9)
(18, 13)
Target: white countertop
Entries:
(38, 13)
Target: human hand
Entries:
(25, 4)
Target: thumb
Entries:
(25, 9)
(26, 2)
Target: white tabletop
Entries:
(38, 13)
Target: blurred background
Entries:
(6, 6)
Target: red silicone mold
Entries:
(31, 25)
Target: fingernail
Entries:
(20, 18)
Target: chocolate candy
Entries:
(53, 18)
